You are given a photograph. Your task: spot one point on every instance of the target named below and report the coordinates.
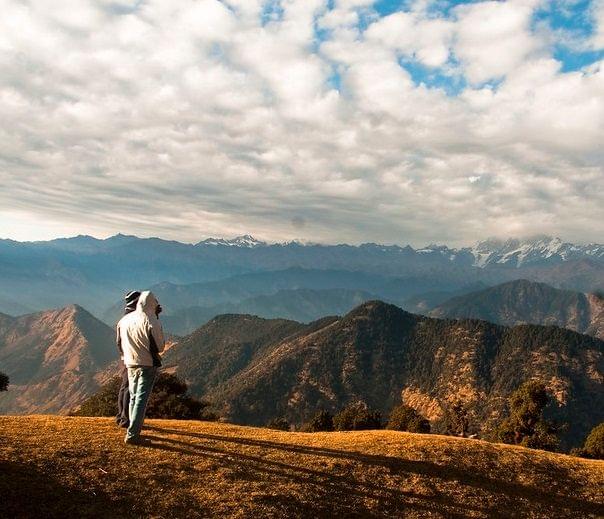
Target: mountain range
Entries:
(512, 252)
(96, 273)
(256, 369)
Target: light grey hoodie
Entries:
(139, 334)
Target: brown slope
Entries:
(379, 353)
(522, 301)
(52, 359)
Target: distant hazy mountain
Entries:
(423, 303)
(11, 307)
(524, 301)
(258, 369)
(176, 298)
(583, 275)
(53, 359)
(198, 302)
(303, 305)
(96, 273)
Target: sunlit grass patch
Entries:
(80, 467)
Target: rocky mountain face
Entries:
(53, 359)
(382, 355)
(523, 301)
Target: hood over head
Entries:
(131, 299)
(147, 302)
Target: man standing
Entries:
(141, 339)
(123, 396)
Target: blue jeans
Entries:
(140, 384)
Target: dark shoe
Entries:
(136, 441)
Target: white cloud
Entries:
(194, 118)
(413, 35)
(598, 16)
(492, 38)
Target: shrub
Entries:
(3, 382)
(357, 417)
(456, 420)
(169, 399)
(280, 424)
(526, 425)
(322, 421)
(405, 418)
(594, 443)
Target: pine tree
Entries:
(322, 421)
(405, 418)
(594, 443)
(357, 417)
(169, 399)
(526, 425)
(279, 424)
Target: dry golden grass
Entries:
(53, 466)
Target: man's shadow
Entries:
(344, 486)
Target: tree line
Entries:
(525, 424)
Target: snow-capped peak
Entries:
(246, 240)
(515, 252)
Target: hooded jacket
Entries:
(139, 334)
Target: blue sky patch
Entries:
(570, 22)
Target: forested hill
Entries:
(381, 354)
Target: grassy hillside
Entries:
(65, 466)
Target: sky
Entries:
(323, 120)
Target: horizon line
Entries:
(306, 242)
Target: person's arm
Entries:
(156, 340)
(157, 333)
(118, 341)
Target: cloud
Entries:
(598, 16)
(413, 35)
(200, 118)
(493, 38)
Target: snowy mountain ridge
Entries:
(516, 252)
